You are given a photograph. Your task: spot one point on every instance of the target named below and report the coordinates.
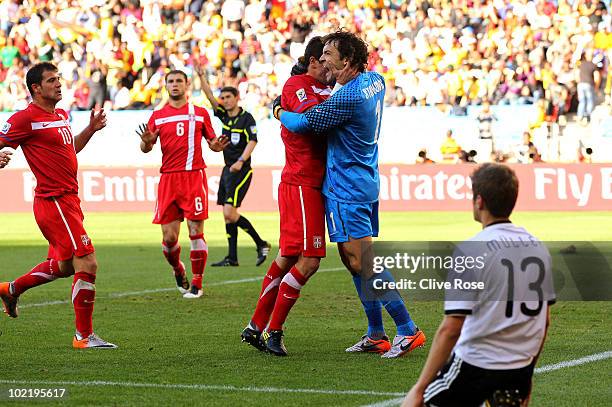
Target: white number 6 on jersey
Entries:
(180, 129)
(198, 204)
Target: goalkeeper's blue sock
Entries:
(394, 304)
(401, 317)
(373, 310)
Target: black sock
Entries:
(247, 227)
(232, 240)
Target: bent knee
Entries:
(87, 264)
(65, 269)
(170, 240)
(354, 265)
(309, 266)
(90, 267)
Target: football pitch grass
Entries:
(174, 351)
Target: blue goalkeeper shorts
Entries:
(350, 220)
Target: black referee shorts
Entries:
(233, 186)
(463, 385)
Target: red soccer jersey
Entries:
(180, 133)
(47, 143)
(304, 153)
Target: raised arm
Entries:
(148, 138)
(207, 91)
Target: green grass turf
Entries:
(166, 339)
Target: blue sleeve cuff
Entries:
(295, 122)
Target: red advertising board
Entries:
(543, 187)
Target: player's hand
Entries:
(218, 143)
(414, 398)
(146, 135)
(97, 120)
(345, 75)
(5, 157)
(237, 166)
(276, 107)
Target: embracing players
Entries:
(302, 213)
(351, 119)
(183, 188)
(45, 136)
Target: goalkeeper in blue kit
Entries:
(351, 120)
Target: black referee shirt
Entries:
(239, 130)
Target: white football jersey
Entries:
(505, 321)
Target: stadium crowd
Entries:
(450, 53)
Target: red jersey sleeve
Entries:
(16, 130)
(207, 130)
(298, 96)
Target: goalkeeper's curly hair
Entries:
(350, 46)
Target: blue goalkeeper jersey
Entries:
(351, 118)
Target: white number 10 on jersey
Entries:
(65, 134)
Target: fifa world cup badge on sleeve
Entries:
(301, 94)
(5, 127)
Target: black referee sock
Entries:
(232, 238)
(247, 227)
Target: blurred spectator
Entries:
(431, 52)
(120, 95)
(485, 130)
(423, 159)
(527, 152)
(450, 149)
(588, 80)
(467, 156)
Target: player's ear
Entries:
(479, 202)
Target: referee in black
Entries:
(240, 128)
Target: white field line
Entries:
(387, 403)
(575, 362)
(218, 387)
(544, 369)
(161, 290)
(229, 388)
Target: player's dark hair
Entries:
(176, 72)
(350, 46)
(35, 74)
(497, 186)
(314, 48)
(230, 89)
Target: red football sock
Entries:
(45, 272)
(267, 297)
(198, 256)
(288, 293)
(173, 255)
(83, 297)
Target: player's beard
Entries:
(177, 97)
(52, 99)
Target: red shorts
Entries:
(180, 195)
(60, 220)
(302, 221)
